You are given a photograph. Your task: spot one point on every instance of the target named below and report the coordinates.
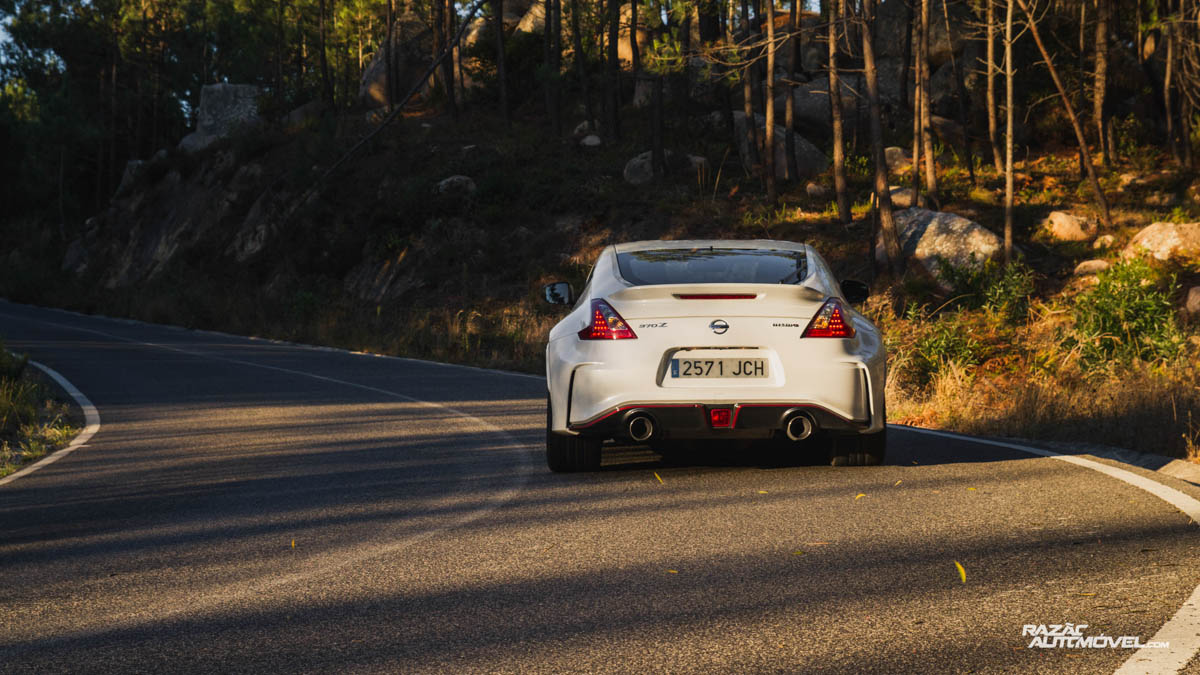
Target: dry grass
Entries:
(1040, 394)
(32, 422)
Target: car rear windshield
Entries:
(712, 266)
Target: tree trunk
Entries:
(1100, 86)
(748, 90)
(993, 125)
(835, 114)
(581, 64)
(964, 115)
(883, 198)
(326, 82)
(917, 135)
(769, 135)
(1168, 107)
(931, 183)
(658, 155)
(613, 78)
(1008, 134)
(908, 52)
(501, 75)
(448, 30)
(789, 105)
(634, 54)
(548, 60)
(1101, 201)
(389, 57)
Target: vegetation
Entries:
(32, 421)
(1018, 343)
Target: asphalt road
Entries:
(251, 506)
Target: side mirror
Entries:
(856, 292)
(559, 293)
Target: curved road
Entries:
(253, 506)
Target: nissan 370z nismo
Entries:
(678, 340)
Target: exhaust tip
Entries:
(640, 428)
(799, 427)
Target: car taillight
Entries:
(606, 324)
(829, 322)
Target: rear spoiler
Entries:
(785, 292)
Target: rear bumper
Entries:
(692, 420)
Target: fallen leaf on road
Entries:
(762, 492)
(797, 552)
(1087, 595)
(899, 482)
(962, 573)
(293, 543)
(672, 571)
(658, 477)
(860, 495)
(971, 489)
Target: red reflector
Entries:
(720, 417)
(716, 296)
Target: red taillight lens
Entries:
(829, 322)
(606, 324)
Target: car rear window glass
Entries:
(712, 266)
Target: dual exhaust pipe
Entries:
(640, 427)
(799, 427)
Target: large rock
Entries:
(897, 158)
(890, 28)
(927, 237)
(809, 160)
(534, 20)
(1166, 241)
(1065, 227)
(459, 185)
(303, 117)
(902, 197)
(811, 108)
(132, 169)
(640, 169)
(412, 44)
(1192, 305)
(1090, 267)
(224, 109)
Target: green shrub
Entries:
(1127, 316)
(943, 341)
(1001, 289)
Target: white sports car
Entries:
(678, 340)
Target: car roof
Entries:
(765, 244)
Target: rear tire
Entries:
(570, 454)
(859, 450)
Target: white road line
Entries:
(1181, 631)
(327, 562)
(91, 418)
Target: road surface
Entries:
(255, 506)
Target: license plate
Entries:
(718, 368)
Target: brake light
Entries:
(716, 296)
(606, 324)
(829, 322)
